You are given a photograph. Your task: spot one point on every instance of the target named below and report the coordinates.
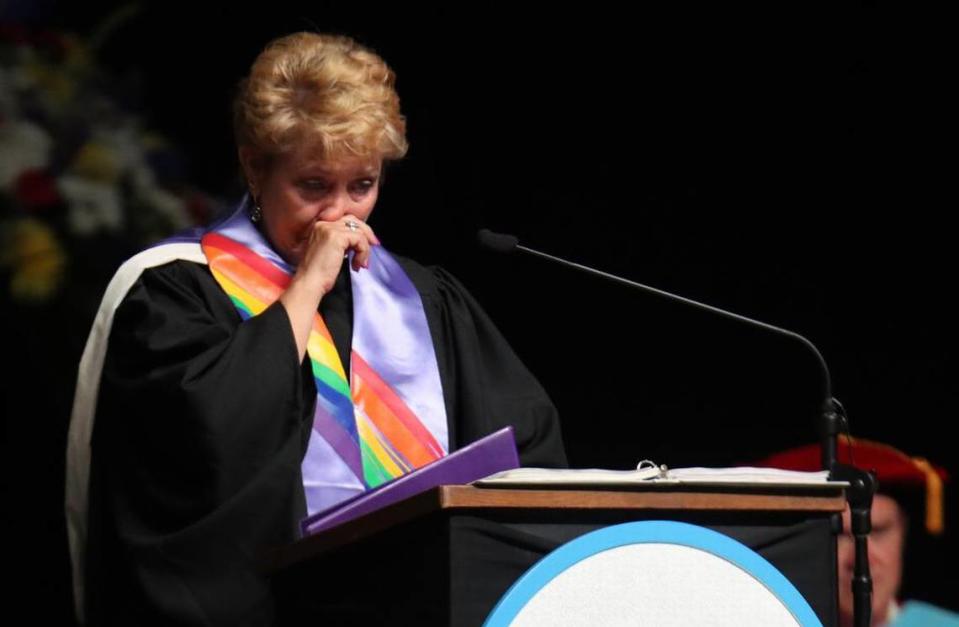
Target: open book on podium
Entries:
(649, 474)
(492, 462)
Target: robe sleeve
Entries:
(486, 385)
(201, 426)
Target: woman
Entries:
(223, 415)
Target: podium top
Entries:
(452, 498)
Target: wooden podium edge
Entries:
(464, 497)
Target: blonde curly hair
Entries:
(323, 90)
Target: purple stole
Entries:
(390, 418)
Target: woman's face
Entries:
(296, 190)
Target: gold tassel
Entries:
(934, 505)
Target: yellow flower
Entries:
(96, 162)
(31, 249)
(55, 86)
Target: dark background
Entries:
(782, 162)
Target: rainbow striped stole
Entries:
(366, 422)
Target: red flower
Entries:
(36, 189)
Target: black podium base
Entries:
(451, 567)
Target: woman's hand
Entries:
(327, 244)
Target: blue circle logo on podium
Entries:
(659, 573)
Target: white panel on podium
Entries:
(653, 573)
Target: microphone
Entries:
(832, 420)
(833, 416)
(503, 243)
(497, 242)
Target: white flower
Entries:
(23, 146)
(93, 206)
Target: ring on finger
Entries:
(353, 226)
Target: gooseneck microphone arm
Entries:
(832, 420)
(507, 243)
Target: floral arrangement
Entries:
(83, 182)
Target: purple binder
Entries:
(480, 459)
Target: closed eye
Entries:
(315, 184)
(362, 186)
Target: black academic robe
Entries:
(202, 422)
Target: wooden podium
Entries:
(446, 556)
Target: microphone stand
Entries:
(831, 422)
